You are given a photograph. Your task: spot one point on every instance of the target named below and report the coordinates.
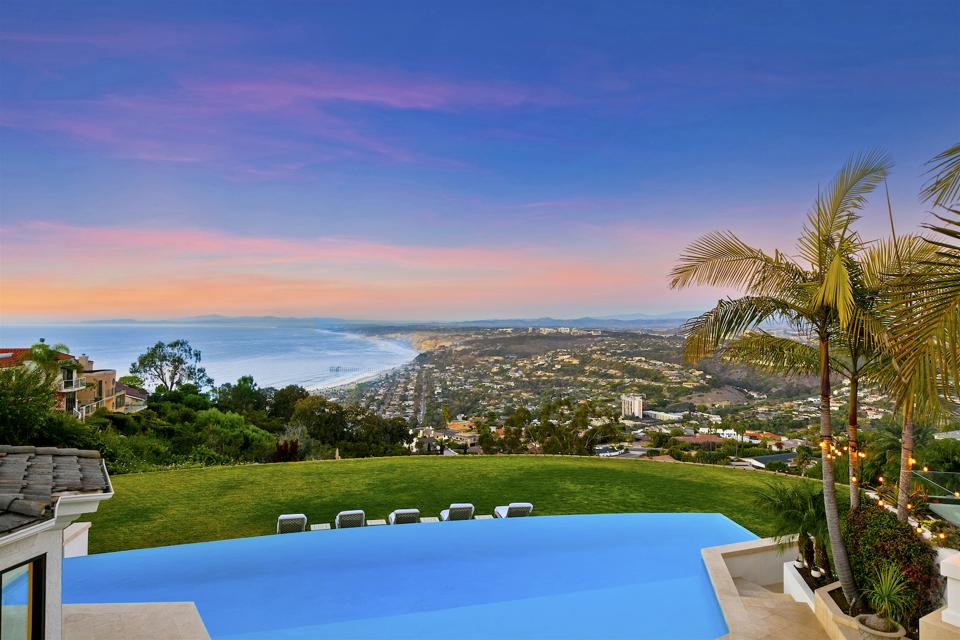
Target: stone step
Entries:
(754, 590)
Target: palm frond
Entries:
(722, 259)
(705, 333)
(944, 185)
(774, 353)
(835, 209)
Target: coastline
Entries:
(407, 343)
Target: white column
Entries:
(950, 569)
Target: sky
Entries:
(438, 160)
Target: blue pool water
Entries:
(611, 576)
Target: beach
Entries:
(275, 355)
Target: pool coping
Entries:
(750, 622)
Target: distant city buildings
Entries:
(631, 406)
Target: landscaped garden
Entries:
(193, 505)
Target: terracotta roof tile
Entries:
(31, 479)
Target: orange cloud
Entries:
(68, 272)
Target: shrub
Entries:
(712, 457)
(874, 537)
(25, 400)
(778, 467)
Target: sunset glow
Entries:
(160, 163)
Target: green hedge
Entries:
(874, 537)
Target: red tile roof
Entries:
(701, 438)
(14, 356)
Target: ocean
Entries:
(275, 355)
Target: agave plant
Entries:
(889, 598)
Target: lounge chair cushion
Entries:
(404, 516)
(291, 523)
(458, 511)
(348, 519)
(513, 510)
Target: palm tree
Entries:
(797, 508)
(44, 357)
(815, 295)
(924, 316)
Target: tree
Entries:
(229, 435)
(324, 421)
(243, 397)
(26, 400)
(856, 353)
(169, 365)
(797, 508)
(816, 295)
(46, 358)
(132, 381)
(284, 401)
(924, 317)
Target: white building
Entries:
(663, 416)
(631, 405)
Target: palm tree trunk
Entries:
(840, 559)
(823, 558)
(852, 442)
(805, 543)
(906, 454)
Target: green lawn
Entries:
(172, 507)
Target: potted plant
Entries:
(888, 597)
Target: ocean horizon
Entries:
(275, 355)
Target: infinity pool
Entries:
(611, 576)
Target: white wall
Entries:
(48, 543)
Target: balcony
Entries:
(75, 383)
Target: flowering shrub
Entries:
(875, 537)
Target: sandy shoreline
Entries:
(359, 377)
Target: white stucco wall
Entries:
(46, 543)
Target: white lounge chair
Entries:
(350, 519)
(513, 510)
(457, 511)
(291, 523)
(404, 516)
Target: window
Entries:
(21, 601)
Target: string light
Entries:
(853, 478)
(880, 502)
(943, 536)
(909, 506)
(920, 530)
(926, 468)
(881, 482)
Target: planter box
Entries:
(795, 586)
(837, 624)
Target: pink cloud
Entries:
(141, 272)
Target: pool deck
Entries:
(744, 578)
(133, 621)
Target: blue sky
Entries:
(439, 160)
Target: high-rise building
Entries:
(631, 405)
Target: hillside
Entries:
(192, 505)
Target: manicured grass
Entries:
(192, 505)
